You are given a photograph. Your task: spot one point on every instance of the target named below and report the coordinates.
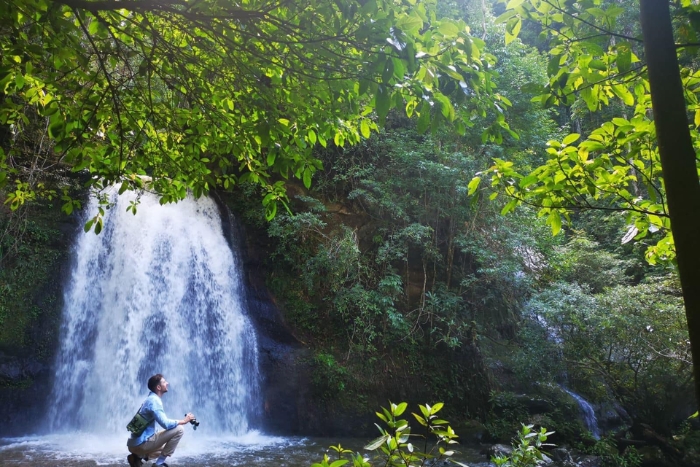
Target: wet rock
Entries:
(561, 455)
(10, 369)
(611, 416)
(499, 450)
(589, 461)
(439, 463)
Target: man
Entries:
(149, 444)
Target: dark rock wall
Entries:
(26, 371)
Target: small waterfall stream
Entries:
(588, 413)
(155, 292)
(589, 418)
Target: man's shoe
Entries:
(134, 460)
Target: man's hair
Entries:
(154, 381)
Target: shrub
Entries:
(394, 447)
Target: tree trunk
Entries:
(677, 160)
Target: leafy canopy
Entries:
(197, 94)
(594, 61)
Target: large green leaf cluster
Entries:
(610, 161)
(198, 94)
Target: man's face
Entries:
(163, 385)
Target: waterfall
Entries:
(155, 292)
(589, 418)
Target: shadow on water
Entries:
(253, 450)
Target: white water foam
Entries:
(251, 449)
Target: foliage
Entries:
(593, 51)
(526, 449)
(633, 337)
(394, 446)
(203, 94)
(32, 249)
(505, 415)
(585, 262)
(329, 378)
(606, 449)
(388, 259)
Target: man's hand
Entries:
(188, 417)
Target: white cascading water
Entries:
(589, 418)
(155, 292)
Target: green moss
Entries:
(16, 384)
(32, 248)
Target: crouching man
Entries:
(149, 444)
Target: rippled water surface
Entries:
(253, 449)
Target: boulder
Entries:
(499, 450)
(589, 461)
(561, 454)
(612, 416)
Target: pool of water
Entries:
(253, 450)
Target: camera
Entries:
(194, 423)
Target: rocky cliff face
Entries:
(292, 403)
(26, 358)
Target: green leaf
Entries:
(513, 29)
(372, 445)
(311, 135)
(623, 93)
(410, 24)
(505, 16)
(590, 98)
(382, 102)
(400, 409)
(473, 185)
(570, 138)
(98, 226)
(307, 178)
(399, 68)
(509, 207)
(554, 220)
(527, 181)
(624, 57)
(424, 117)
(448, 28)
(88, 225)
(56, 129)
(271, 211)
(420, 419)
(445, 106)
(436, 408)
(364, 129)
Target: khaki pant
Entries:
(162, 443)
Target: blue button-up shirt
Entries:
(152, 409)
